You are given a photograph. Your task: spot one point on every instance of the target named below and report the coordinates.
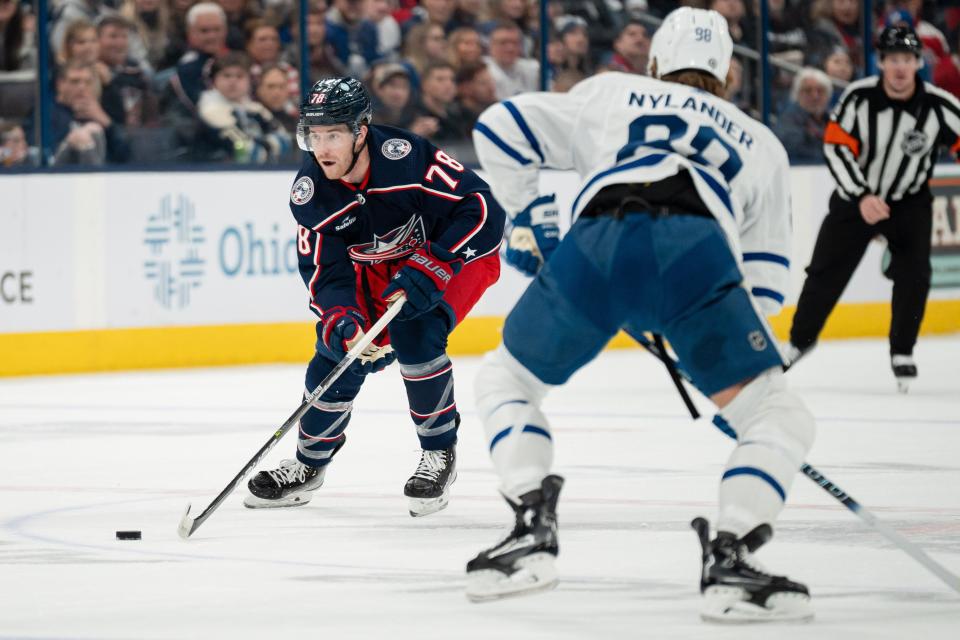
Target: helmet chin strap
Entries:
(356, 152)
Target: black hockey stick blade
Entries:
(187, 524)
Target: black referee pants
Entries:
(841, 243)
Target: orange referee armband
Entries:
(834, 134)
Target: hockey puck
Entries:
(128, 535)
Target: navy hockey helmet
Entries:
(334, 101)
(899, 38)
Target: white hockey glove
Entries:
(535, 235)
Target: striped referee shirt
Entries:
(876, 145)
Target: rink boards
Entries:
(103, 271)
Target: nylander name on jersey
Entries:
(617, 128)
(413, 193)
(668, 101)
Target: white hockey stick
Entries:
(187, 524)
(839, 494)
(898, 540)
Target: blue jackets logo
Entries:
(174, 241)
(394, 244)
(396, 148)
(302, 191)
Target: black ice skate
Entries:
(737, 589)
(904, 370)
(524, 561)
(428, 489)
(290, 485)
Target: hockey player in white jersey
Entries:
(682, 227)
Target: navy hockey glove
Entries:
(424, 279)
(535, 235)
(342, 328)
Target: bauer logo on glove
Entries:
(436, 269)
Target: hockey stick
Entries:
(187, 524)
(674, 374)
(912, 550)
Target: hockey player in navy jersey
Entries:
(382, 212)
(682, 227)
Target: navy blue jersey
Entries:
(412, 193)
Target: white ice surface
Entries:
(84, 456)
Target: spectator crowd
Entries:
(176, 81)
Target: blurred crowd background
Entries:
(161, 82)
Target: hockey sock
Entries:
(518, 434)
(321, 430)
(432, 405)
(774, 432)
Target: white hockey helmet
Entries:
(692, 39)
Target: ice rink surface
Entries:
(84, 456)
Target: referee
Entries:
(881, 145)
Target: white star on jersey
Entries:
(469, 253)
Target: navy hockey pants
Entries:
(422, 341)
(421, 348)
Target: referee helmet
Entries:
(899, 38)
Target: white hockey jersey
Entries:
(619, 128)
